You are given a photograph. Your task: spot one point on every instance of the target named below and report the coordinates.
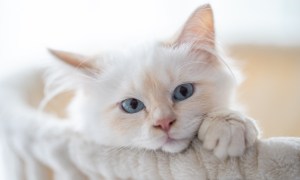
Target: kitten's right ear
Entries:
(75, 60)
(199, 28)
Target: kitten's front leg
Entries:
(227, 133)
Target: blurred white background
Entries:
(28, 27)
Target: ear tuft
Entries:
(73, 59)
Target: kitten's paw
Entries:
(227, 133)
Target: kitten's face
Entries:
(153, 97)
(150, 76)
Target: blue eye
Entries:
(183, 92)
(132, 105)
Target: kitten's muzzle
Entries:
(164, 124)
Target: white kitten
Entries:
(154, 96)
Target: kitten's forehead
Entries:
(156, 67)
(151, 57)
(150, 68)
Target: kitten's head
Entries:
(153, 96)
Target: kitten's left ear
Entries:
(199, 28)
(75, 60)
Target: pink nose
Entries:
(164, 124)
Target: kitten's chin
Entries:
(175, 146)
